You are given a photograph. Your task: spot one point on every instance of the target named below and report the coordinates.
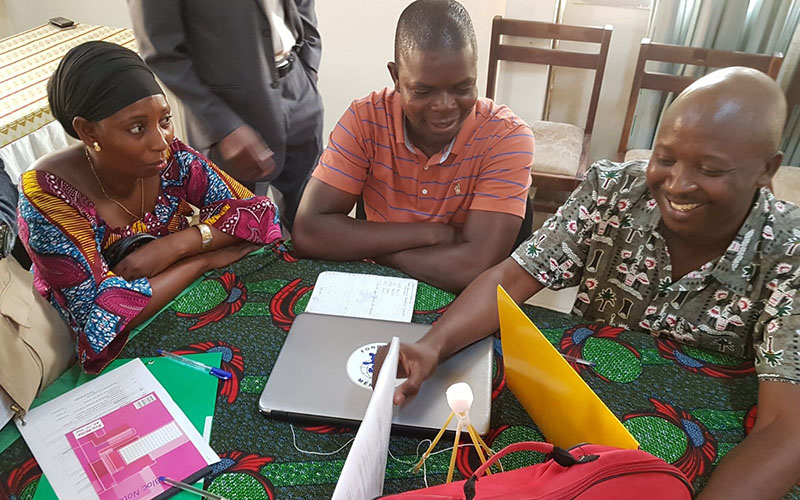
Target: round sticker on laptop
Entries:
(360, 364)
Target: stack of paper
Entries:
(113, 436)
(363, 296)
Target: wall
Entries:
(630, 26)
(523, 86)
(5, 22)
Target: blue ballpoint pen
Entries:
(217, 372)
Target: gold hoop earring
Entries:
(96, 146)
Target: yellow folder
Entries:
(565, 409)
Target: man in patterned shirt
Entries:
(692, 247)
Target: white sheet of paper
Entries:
(365, 468)
(5, 408)
(363, 296)
(46, 426)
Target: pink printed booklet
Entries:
(112, 437)
(124, 452)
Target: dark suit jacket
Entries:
(217, 57)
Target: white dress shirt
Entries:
(282, 38)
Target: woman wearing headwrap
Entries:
(129, 176)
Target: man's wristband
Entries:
(206, 235)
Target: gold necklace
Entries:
(120, 205)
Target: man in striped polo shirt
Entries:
(443, 174)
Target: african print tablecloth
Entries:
(688, 406)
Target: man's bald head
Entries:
(434, 25)
(717, 145)
(737, 102)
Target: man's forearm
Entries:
(339, 237)
(312, 49)
(762, 467)
(473, 315)
(450, 266)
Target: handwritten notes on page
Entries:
(363, 296)
(113, 436)
(365, 467)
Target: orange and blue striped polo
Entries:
(486, 167)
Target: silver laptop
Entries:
(324, 374)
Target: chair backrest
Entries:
(693, 56)
(551, 57)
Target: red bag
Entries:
(586, 472)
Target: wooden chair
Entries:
(665, 82)
(561, 149)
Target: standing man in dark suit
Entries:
(246, 72)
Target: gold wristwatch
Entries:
(206, 235)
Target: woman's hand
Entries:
(228, 255)
(154, 257)
(147, 261)
(175, 278)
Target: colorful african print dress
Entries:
(65, 236)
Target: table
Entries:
(685, 405)
(27, 59)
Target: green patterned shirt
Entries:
(605, 240)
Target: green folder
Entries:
(194, 391)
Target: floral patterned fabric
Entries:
(605, 239)
(65, 237)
